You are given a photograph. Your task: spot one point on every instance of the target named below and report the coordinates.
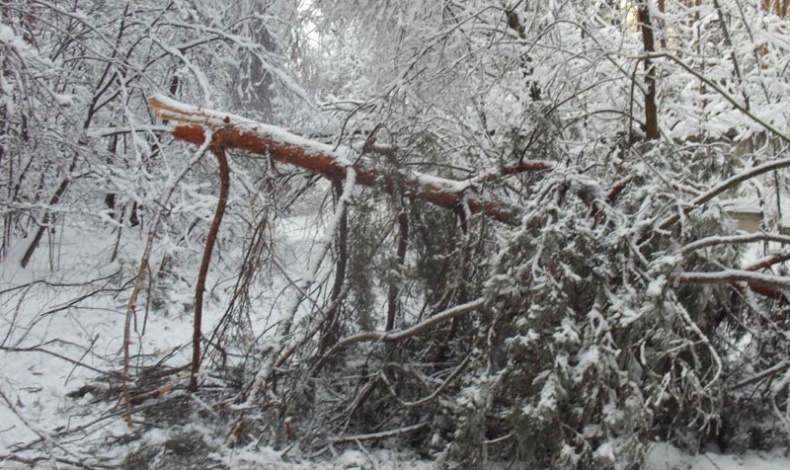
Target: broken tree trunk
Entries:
(336, 163)
(234, 132)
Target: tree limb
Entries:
(379, 435)
(211, 238)
(773, 370)
(399, 335)
(764, 284)
(191, 123)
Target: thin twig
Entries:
(724, 186)
(399, 335)
(769, 372)
(378, 435)
(733, 240)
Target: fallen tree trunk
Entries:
(235, 132)
(336, 163)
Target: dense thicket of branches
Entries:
(522, 247)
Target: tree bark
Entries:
(239, 133)
(224, 178)
(651, 110)
(329, 330)
(243, 134)
(394, 289)
(44, 225)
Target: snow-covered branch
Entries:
(734, 239)
(230, 131)
(764, 284)
(398, 335)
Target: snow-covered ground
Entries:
(61, 328)
(665, 457)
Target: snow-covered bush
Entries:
(606, 347)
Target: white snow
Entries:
(666, 457)
(187, 114)
(35, 382)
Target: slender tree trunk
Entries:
(329, 331)
(662, 39)
(651, 110)
(7, 217)
(394, 290)
(211, 238)
(44, 226)
(777, 7)
(64, 185)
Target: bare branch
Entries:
(733, 275)
(727, 184)
(733, 240)
(771, 371)
(379, 435)
(399, 335)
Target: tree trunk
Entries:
(240, 133)
(329, 330)
(211, 238)
(651, 110)
(394, 289)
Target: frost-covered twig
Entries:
(379, 435)
(455, 373)
(725, 185)
(733, 240)
(523, 167)
(732, 275)
(773, 370)
(32, 462)
(765, 125)
(399, 335)
(39, 348)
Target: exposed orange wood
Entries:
(777, 7)
(769, 261)
(233, 132)
(211, 239)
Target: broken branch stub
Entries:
(235, 132)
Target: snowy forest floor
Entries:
(62, 332)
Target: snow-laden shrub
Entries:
(606, 346)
